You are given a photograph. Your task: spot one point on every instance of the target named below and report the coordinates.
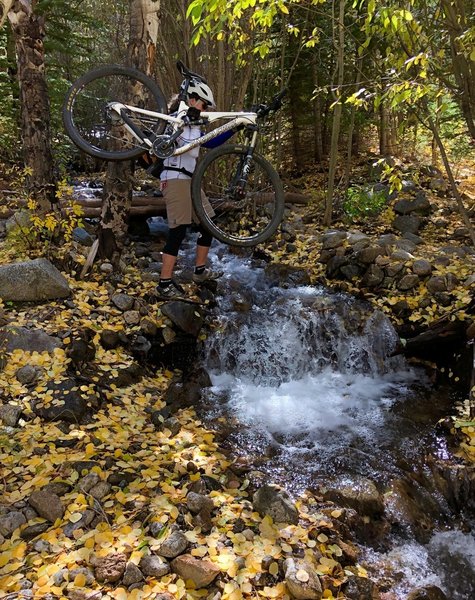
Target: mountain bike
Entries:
(117, 113)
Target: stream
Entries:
(304, 389)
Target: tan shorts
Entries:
(177, 194)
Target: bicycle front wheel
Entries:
(100, 132)
(247, 201)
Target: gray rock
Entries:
(175, 544)
(132, 574)
(201, 572)
(350, 272)
(57, 487)
(369, 254)
(20, 220)
(110, 339)
(373, 276)
(412, 237)
(360, 588)
(47, 505)
(301, 580)
(10, 415)
(26, 374)
(106, 268)
(100, 490)
(88, 481)
(154, 566)
(422, 267)
(123, 302)
(405, 244)
(355, 237)
(32, 281)
(401, 255)
(358, 493)
(185, 316)
(86, 519)
(34, 530)
(131, 317)
(333, 239)
(408, 282)
(394, 268)
(10, 522)
(81, 236)
(32, 340)
(198, 502)
(69, 403)
(42, 546)
(335, 264)
(275, 502)
(88, 574)
(407, 223)
(388, 239)
(437, 284)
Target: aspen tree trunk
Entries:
(317, 117)
(28, 30)
(340, 46)
(144, 20)
(349, 148)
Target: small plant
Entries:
(40, 232)
(362, 202)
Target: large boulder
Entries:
(358, 493)
(275, 502)
(32, 281)
(187, 317)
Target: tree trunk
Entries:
(463, 66)
(317, 117)
(28, 31)
(340, 46)
(118, 186)
(349, 146)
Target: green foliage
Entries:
(360, 202)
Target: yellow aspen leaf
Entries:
(75, 517)
(322, 538)
(336, 513)
(302, 575)
(80, 580)
(274, 569)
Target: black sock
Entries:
(200, 270)
(164, 283)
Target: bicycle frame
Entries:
(236, 119)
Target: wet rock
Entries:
(301, 580)
(154, 566)
(361, 588)
(47, 505)
(10, 415)
(275, 502)
(32, 281)
(110, 568)
(132, 574)
(358, 493)
(26, 374)
(201, 572)
(430, 592)
(10, 522)
(123, 302)
(187, 317)
(81, 236)
(148, 328)
(109, 339)
(175, 544)
(286, 275)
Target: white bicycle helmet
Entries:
(202, 90)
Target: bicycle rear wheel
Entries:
(99, 131)
(242, 215)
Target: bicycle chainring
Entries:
(161, 146)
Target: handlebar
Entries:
(263, 110)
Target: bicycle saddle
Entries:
(189, 74)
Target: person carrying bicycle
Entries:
(175, 184)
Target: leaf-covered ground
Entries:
(154, 470)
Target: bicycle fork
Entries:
(244, 167)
